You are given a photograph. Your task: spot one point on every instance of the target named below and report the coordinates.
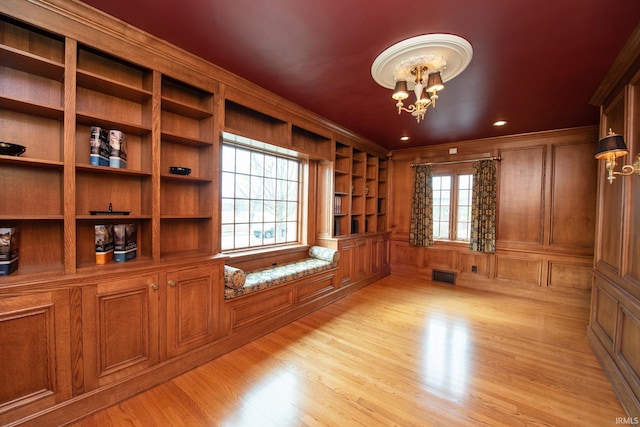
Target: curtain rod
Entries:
(413, 165)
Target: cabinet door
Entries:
(346, 265)
(362, 259)
(192, 308)
(120, 328)
(34, 360)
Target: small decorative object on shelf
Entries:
(110, 212)
(366, 188)
(99, 155)
(125, 239)
(8, 250)
(8, 149)
(117, 149)
(179, 170)
(104, 243)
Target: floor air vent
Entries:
(444, 277)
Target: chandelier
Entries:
(421, 65)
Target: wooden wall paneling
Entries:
(573, 194)
(521, 206)
(467, 262)
(400, 196)
(604, 314)
(440, 259)
(628, 346)
(609, 240)
(631, 266)
(568, 275)
(404, 257)
(518, 269)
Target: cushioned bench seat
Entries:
(238, 282)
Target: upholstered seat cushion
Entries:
(272, 276)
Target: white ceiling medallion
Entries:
(456, 52)
(421, 64)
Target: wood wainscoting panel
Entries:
(248, 310)
(404, 256)
(629, 349)
(567, 275)
(440, 258)
(527, 271)
(321, 286)
(604, 315)
(574, 194)
(467, 262)
(521, 206)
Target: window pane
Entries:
(463, 213)
(226, 242)
(228, 184)
(229, 156)
(243, 161)
(242, 186)
(242, 210)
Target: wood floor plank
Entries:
(396, 353)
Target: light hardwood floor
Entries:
(396, 353)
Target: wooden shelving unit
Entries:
(53, 91)
(359, 180)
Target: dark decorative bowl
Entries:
(178, 170)
(8, 149)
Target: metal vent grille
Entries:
(443, 277)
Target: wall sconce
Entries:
(609, 148)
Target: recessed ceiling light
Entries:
(404, 138)
(499, 123)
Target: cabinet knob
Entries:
(154, 286)
(172, 283)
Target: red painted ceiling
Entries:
(535, 64)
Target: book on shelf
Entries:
(125, 242)
(99, 151)
(104, 243)
(9, 250)
(117, 149)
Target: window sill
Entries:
(260, 253)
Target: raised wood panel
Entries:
(248, 310)
(34, 368)
(521, 195)
(400, 200)
(518, 269)
(609, 242)
(573, 194)
(565, 275)
(466, 262)
(404, 255)
(604, 315)
(633, 254)
(439, 258)
(314, 289)
(347, 264)
(192, 308)
(120, 322)
(630, 348)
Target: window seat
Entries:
(238, 282)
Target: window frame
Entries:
(251, 145)
(454, 171)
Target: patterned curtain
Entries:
(483, 214)
(421, 233)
